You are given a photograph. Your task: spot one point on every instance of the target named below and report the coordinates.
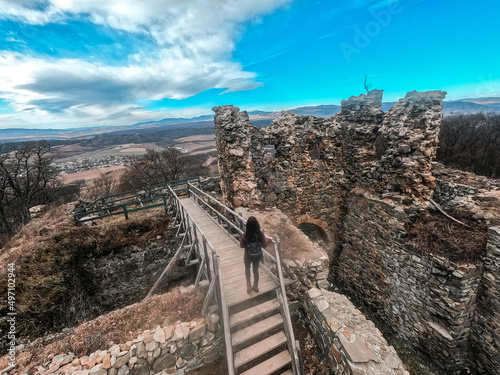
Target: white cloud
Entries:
(195, 40)
(75, 88)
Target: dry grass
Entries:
(115, 327)
(435, 234)
(50, 254)
(89, 176)
(58, 224)
(36, 233)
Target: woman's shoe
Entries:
(249, 288)
(256, 288)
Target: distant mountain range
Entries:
(259, 118)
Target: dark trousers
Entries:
(254, 261)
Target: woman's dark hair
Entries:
(252, 233)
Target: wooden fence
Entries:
(126, 203)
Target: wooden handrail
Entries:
(213, 273)
(241, 218)
(197, 195)
(217, 212)
(226, 328)
(191, 188)
(197, 228)
(286, 311)
(111, 205)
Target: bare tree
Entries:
(367, 85)
(471, 142)
(157, 167)
(27, 179)
(103, 185)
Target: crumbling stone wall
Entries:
(429, 301)
(318, 161)
(172, 349)
(361, 175)
(350, 343)
(485, 335)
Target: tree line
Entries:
(471, 142)
(28, 178)
(152, 168)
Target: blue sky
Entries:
(74, 63)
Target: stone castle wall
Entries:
(361, 176)
(427, 300)
(485, 335)
(318, 161)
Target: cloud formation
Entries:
(193, 40)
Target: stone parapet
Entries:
(351, 343)
(428, 300)
(485, 332)
(173, 349)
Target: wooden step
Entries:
(254, 312)
(239, 294)
(271, 365)
(258, 349)
(234, 291)
(255, 330)
(288, 372)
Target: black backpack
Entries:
(254, 249)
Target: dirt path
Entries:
(294, 244)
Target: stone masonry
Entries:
(427, 300)
(318, 161)
(172, 349)
(363, 176)
(351, 343)
(485, 337)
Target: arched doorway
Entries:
(314, 232)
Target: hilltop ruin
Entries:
(364, 178)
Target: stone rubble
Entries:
(361, 176)
(351, 343)
(173, 349)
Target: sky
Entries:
(87, 63)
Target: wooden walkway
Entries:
(231, 255)
(257, 330)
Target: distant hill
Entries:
(177, 127)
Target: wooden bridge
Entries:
(129, 202)
(257, 329)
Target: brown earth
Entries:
(89, 176)
(294, 244)
(196, 138)
(119, 326)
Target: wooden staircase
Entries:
(257, 328)
(258, 338)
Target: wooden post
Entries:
(125, 212)
(205, 250)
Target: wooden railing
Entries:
(231, 221)
(294, 346)
(126, 203)
(235, 224)
(195, 242)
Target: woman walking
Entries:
(252, 241)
